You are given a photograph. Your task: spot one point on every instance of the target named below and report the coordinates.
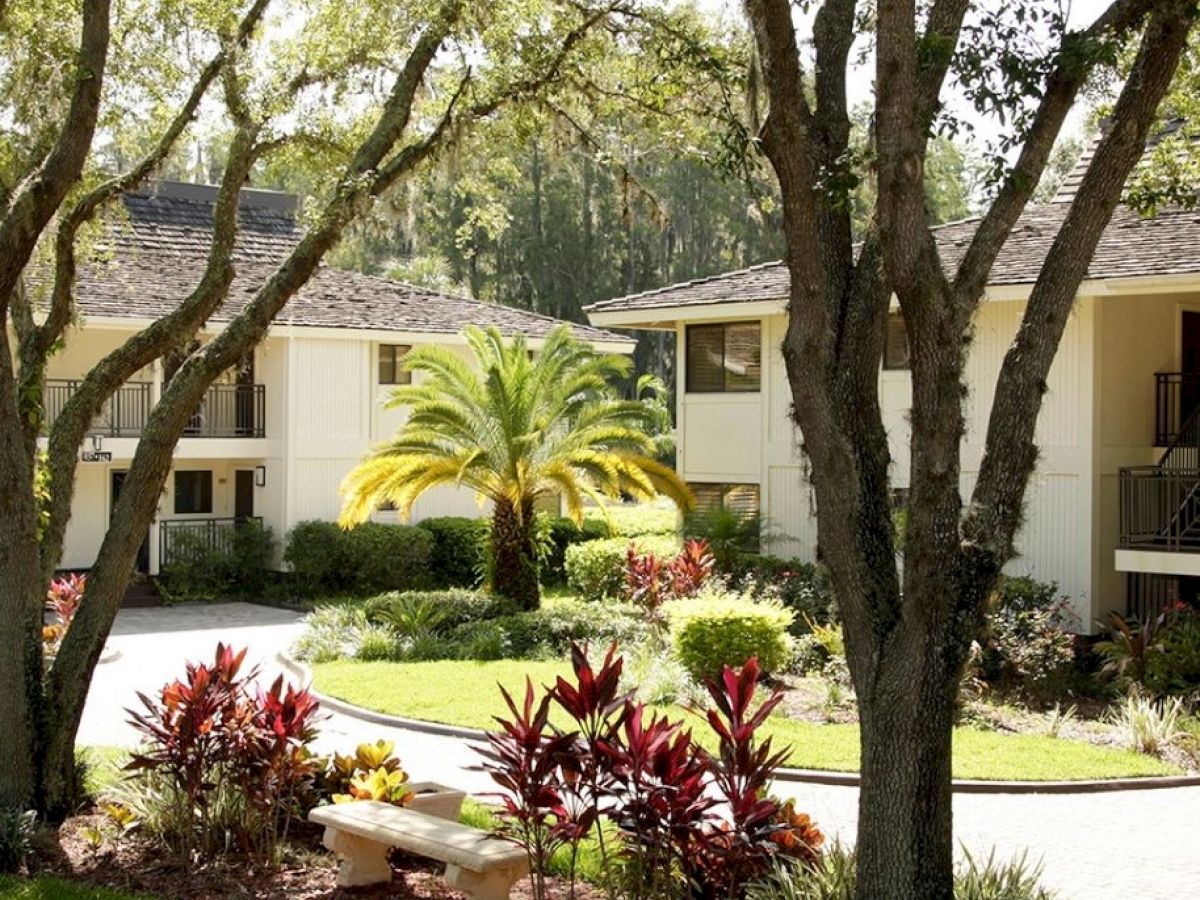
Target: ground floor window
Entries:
(193, 492)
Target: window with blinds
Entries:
(725, 358)
(895, 344)
(391, 366)
(741, 499)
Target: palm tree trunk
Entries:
(514, 555)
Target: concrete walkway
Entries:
(1137, 845)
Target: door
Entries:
(142, 566)
(243, 494)
(244, 393)
(1189, 359)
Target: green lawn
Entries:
(464, 693)
(46, 888)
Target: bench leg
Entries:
(493, 885)
(362, 861)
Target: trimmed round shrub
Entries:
(596, 569)
(459, 550)
(714, 630)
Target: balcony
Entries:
(226, 411)
(1160, 509)
(197, 540)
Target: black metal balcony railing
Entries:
(194, 540)
(1160, 508)
(124, 414)
(227, 410)
(1176, 397)
(230, 410)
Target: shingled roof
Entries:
(154, 251)
(1132, 246)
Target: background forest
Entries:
(636, 179)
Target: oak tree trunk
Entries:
(514, 554)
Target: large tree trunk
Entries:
(514, 554)
(21, 599)
(905, 827)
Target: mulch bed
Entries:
(307, 872)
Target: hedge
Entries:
(368, 559)
(460, 547)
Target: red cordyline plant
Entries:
(62, 601)
(742, 847)
(692, 823)
(524, 759)
(208, 732)
(650, 582)
(691, 568)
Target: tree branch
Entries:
(1009, 452)
(65, 262)
(36, 199)
(1076, 60)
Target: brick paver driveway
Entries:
(1132, 845)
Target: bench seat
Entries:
(361, 833)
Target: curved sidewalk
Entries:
(1105, 846)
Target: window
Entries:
(391, 367)
(738, 498)
(193, 492)
(724, 358)
(740, 502)
(895, 343)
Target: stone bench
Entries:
(361, 833)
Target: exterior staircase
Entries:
(140, 594)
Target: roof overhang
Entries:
(282, 328)
(667, 318)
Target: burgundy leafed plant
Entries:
(524, 759)
(691, 568)
(646, 581)
(742, 769)
(208, 731)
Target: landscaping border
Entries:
(794, 776)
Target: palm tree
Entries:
(514, 427)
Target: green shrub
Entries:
(802, 587)
(731, 535)
(1174, 670)
(550, 631)
(836, 873)
(714, 630)
(454, 607)
(368, 559)
(16, 838)
(636, 520)
(596, 569)
(557, 534)
(330, 632)
(200, 571)
(314, 550)
(377, 642)
(1027, 647)
(460, 550)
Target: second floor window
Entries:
(193, 492)
(391, 365)
(895, 343)
(724, 358)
